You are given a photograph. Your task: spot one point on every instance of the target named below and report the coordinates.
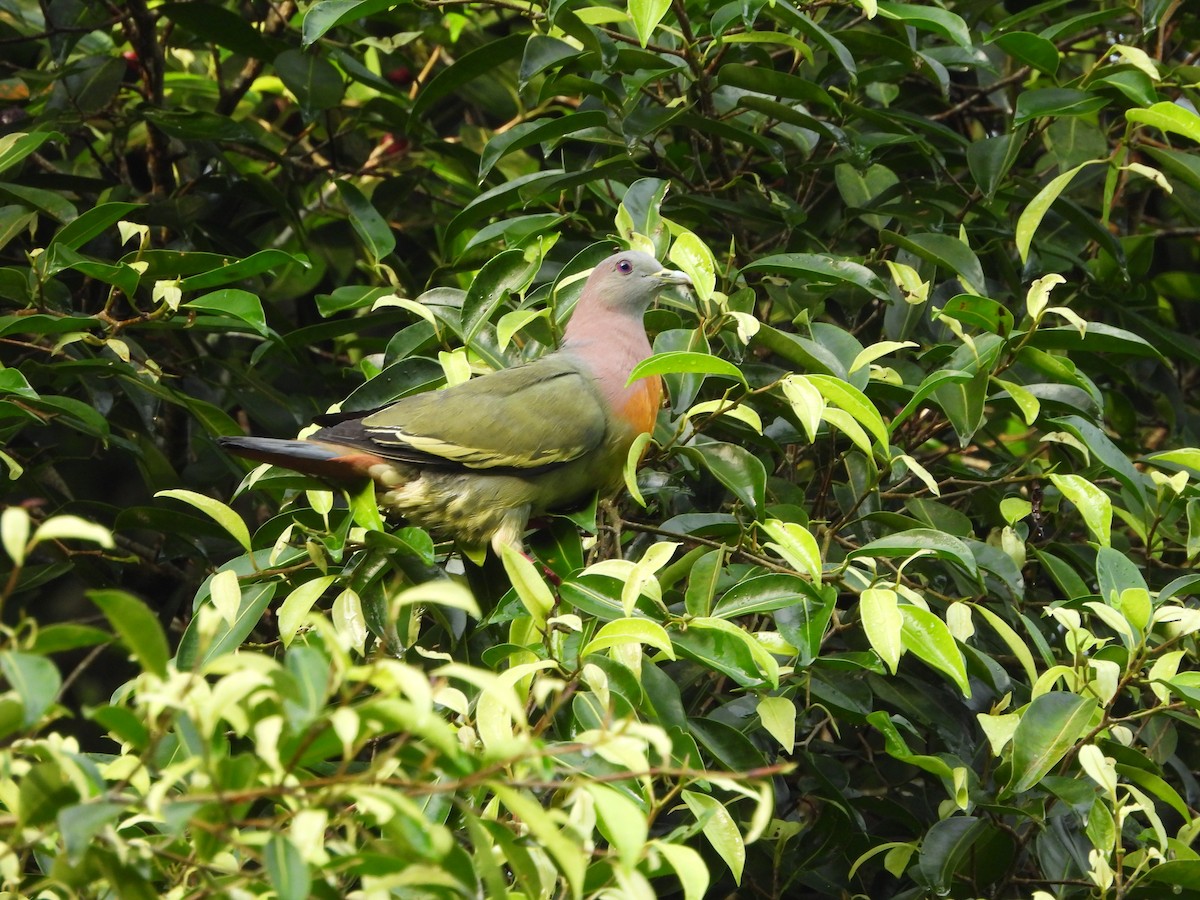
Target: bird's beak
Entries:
(671, 276)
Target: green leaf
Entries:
(1049, 728)
(980, 313)
(629, 631)
(563, 850)
(945, 251)
(297, 605)
(621, 821)
(963, 401)
(765, 80)
(1031, 49)
(763, 593)
(91, 224)
(316, 82)
(685, 362)
(736, 468)
(1116, 573)
(860, 188)
(1026, 401)
(71, 528)
(1109, 455)
(34, 679)
(1180, 873)
(530, 587)
(1016, 646)
(196, 650)
(928, 638)
(58, 638)
(1168, 117)
(778, 717)
(991, 159)
(507, 273)
(1039, 103)
(326, 14)
(543, 52)
(928, 386)
(821, 272)
(539, 131)
(372, 229)
(921, 540)
(646, 15)
(137, 626)
(689, 867)
(81, 823)
(1093, 504)
(223, 270)
(215, 510)
(703, 578)
(16, 146)
(804, 623)
(855, 402)
(724, 647)
(1031, 217)
(220, 26)
(467, 68)
(286, 869)
(928, 18)
(720, 830)
(233, 303)
(879, 610)
(946, 846)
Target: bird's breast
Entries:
(641, 404)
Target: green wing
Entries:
(532, 416)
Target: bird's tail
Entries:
(308, 457)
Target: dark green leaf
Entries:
(945, 251)
(371, 228)
(314, 80)
(326, 14)
(1031, 49)
(227, 270)
(92, 223)
(233, 303)
(529, 133)
(1049, 728)
(508, 273)
(820, 272)
(467, 68)
(921, 540)
(736, 468)
(763, 80)
(1037, 104)
(946, 846)
(195, 650)
(137, 627)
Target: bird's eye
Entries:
(625, 267)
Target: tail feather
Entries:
(308, 457)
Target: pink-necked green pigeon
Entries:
(476, 460)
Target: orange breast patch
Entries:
(641, 409)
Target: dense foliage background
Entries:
(906, 607)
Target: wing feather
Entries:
(529, 417)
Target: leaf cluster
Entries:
(900, 601)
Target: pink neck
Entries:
(609, 345)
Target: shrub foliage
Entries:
(900, 600)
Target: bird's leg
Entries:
(608, 526)
(548, 573)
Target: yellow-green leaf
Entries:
(215, 510)
(630, 631)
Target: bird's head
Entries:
(628, 281)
